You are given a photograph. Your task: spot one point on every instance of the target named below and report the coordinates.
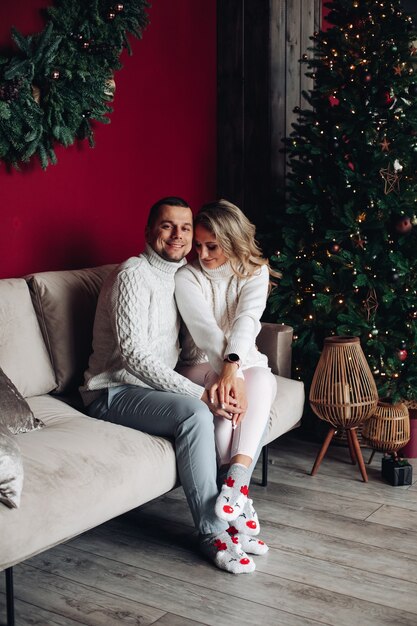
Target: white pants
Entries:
(261, 388)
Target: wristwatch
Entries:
(232, 358)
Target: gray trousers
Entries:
(190, 423)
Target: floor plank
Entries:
(342, 552)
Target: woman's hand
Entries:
(227, 410)
(230, 390)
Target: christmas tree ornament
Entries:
(397, 166)
(371, 304)
(391, 179)
(403, 225)
(55, 74)
(109, 88)
(385, 145)
(402, 354)
(385, 98)
(359, 242)
(36, 94)
(334, 248)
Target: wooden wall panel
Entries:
(230, 98)
(260, 79)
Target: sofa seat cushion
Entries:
(23, 355)
(79, 472)
(287, 408)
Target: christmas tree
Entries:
(348, 235)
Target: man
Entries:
(131, 379)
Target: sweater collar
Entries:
(168, 267)
(218, 273)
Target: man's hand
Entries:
(227, 410)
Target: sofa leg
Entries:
(9, 596)
(264, 466)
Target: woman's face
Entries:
(210, 253)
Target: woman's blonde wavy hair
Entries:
(235, 234)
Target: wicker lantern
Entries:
(343, 393)
(388, 429)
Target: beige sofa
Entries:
(79, 471)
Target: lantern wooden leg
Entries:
(323, 451)
(371, 457)
(351, 448)
(357, 448)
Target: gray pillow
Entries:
(15, 413)
(11, 470)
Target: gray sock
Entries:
(226, 552)
(233, 494)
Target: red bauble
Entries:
(334, 102)
(385, 98)
(402, 354)
(334, 248)
(403, 225)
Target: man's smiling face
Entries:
(172, 234)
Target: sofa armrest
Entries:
(275, 341)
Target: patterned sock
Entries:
(226, 552)
(251, 545)
(234, 493)
(247, 522)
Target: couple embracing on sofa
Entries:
(213, 395)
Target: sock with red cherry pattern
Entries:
(233, 494)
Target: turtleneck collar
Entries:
(168, 267)
(218, 273)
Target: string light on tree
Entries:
(347, 233)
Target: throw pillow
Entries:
(11, 470)
(15, 413)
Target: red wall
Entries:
(91, 207)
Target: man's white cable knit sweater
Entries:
(135, 337)
(222, 314)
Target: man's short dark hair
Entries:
(169, 200)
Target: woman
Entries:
(221, 297)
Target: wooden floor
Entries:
(342, 552)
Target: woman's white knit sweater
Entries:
(135, 337)
(222, 314)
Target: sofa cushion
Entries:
(287, 408)
(11, 469)
(23, 355)
(65, 303)
(79, 473)
(15, 413)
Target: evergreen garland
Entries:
(62, 78)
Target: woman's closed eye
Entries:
(211, 247)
